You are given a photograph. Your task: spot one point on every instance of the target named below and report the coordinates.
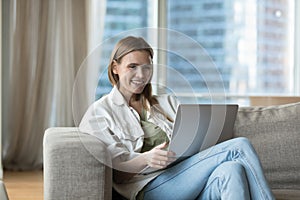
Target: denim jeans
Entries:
(229, 170)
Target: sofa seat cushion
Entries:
(275, 134)
(286, 194)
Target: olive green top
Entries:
(154, 135)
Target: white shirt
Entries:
(117, 125)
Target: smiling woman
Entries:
(136, 126)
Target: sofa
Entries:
(3, 193)
(74, 162)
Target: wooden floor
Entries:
(24, 185)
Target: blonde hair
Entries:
(122, 48)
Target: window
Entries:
(249, 44)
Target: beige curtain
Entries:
(47, 40)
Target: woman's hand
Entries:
(159, 158)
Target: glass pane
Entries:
(249, 41)
(120, 16)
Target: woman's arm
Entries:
(157, 158)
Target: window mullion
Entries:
(159, 41)
(297, 49)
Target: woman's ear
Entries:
(115, 67)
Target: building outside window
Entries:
(250, 43)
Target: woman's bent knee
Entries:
(231, 167)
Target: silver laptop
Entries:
(198, 127)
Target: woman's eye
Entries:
(132, 66)
(148, 67)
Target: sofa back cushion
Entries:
(275, 134)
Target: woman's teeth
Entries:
(137, 82)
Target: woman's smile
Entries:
(138, 82)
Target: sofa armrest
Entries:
(3, 193)
(74, 166)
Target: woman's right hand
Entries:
(159, 158)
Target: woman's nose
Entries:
(140, 72)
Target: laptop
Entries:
(198, 127)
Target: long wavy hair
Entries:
(122, 48)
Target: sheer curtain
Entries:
(46, 42)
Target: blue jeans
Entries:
(229, 170)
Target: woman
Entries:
(136, 127)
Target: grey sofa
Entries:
(74, 169)
(3, 193)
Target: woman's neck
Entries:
(136, 104)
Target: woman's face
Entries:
(134, 71)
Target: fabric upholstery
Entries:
(72, 170)
(275, 133)
(3, 193)
(285, 194)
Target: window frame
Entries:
(159, 20)
(297, 49)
